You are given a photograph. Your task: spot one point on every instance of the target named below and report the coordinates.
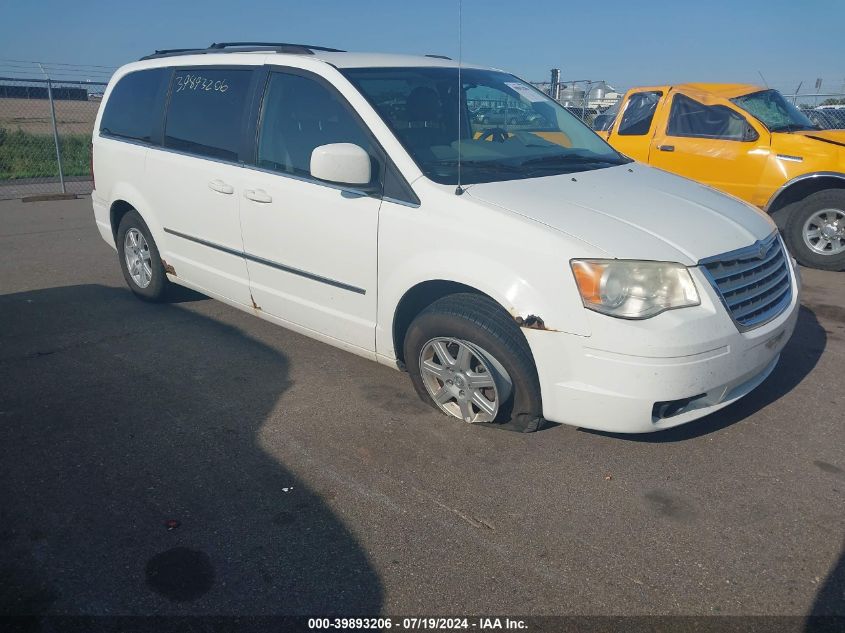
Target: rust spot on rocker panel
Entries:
(255, 306)
(168, 268)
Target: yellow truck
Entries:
(752, 143)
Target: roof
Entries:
(373, 60)
(726, 91)
(308, 60)
(335, 57)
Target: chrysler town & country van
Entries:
(518, 272)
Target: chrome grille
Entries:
(753, 282)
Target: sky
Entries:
(627, 43)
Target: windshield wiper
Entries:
(569, 159)
(482, 164)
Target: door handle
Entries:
(666, 148)
(221, 187)
(258, 195)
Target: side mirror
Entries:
(342, 163)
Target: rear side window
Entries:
(135, 105)
(639, 113)
(688, 117)
(206, 111)
(298, 115)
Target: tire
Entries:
(157, 286)
(800, 221)
(484, 327)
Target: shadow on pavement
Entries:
(132, 479)
(830, 600)
(797, 360)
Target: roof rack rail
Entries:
(244, 47)
(438, 56)
(276, 45)
(168, 51)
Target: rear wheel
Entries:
(139, 258)
(468, 359)
(815, 230)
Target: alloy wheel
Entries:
(464, 381)
(137, 254)
(824, 232)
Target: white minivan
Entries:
(520, 270)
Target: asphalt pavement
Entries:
(188, 458)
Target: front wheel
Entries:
(815, 230)
(468, 359)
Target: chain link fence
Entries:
(45, 136)
(826, 118)
(825, 110)
(585, 98)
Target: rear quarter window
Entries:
(135, 105)
(206, 112)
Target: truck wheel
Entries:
(139, 258)
(468, 359)
(815, 230)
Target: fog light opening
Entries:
(669, 408)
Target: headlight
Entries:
(631, 289)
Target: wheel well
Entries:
(118, 209)
(415, 301)
(799, 191)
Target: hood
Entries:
(633, 212)
(820, 150)
(837, 137)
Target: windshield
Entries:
(775, 112)
(508, 129)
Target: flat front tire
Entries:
(469, 360)
(139, 258)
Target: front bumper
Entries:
(612, 379)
